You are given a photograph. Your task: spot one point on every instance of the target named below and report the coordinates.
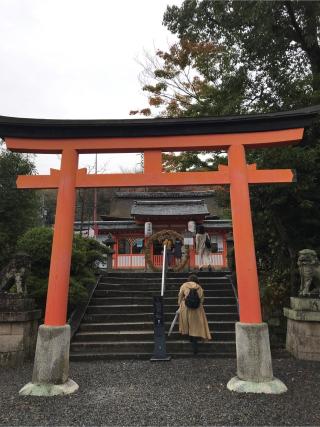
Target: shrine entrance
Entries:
(156, 241)
(233, 134)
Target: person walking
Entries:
(192, 317)
(202, 250)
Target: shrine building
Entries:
(134, 215)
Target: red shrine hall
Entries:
(136, 215)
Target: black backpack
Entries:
(192, 300)
(207, 242)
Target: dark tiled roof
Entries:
(163, 194)
(131, 225)
(220, 223)
(111, 225)
(52, 128)
(169, 208)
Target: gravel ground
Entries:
(188, 392)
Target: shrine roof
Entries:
(164, 194)
(110, 225)
(218, 223)
(170, 208)
(56, 128)
(224, 224)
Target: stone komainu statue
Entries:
(15, 274)
(309, 268)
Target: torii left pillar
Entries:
(51, 365)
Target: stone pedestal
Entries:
(254, 364)
(51, 364)
(303, 328)
(18, 329)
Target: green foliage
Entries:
(19, 209)
(276, 43)
(236, 57)
(86, 253)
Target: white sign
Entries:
(147, 228)
(192, 226)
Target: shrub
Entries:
(86, 254)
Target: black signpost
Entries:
(159, 353)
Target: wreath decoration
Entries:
(161, 236)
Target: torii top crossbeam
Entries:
(152, 137)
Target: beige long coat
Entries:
(192, 321)
(202, 250)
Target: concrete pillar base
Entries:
(51, 364)
(254, 364)
(32, 389)
(274, 386)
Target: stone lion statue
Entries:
(15, 274)
(309, 268)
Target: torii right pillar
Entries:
(254, 364)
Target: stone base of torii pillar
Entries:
(51, 364)
(254, 364)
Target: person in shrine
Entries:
(177, 250)
(192, 317)
(170, 251)
(203, 249)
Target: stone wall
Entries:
(18, 329)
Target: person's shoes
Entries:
(195, 347)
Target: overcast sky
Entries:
(77, 59)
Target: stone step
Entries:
(147, 346)
(137, 308)
(118, 323)
(157, 288)
(104, 293)
(142, 335)
(170, 274)
(111, 301)
(157, 281)
(148, 316)
(86, 357)
(141, 326)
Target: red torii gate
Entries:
(237, 174)
(233, 135)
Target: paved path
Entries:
(190, 392)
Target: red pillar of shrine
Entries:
(245, 258)
(59, 276)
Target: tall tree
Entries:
(194, 78)
(250, 56)
(19, 209)
(277, 41)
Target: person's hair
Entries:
(200, 229)
(193, 278)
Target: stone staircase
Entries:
(118, 323)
